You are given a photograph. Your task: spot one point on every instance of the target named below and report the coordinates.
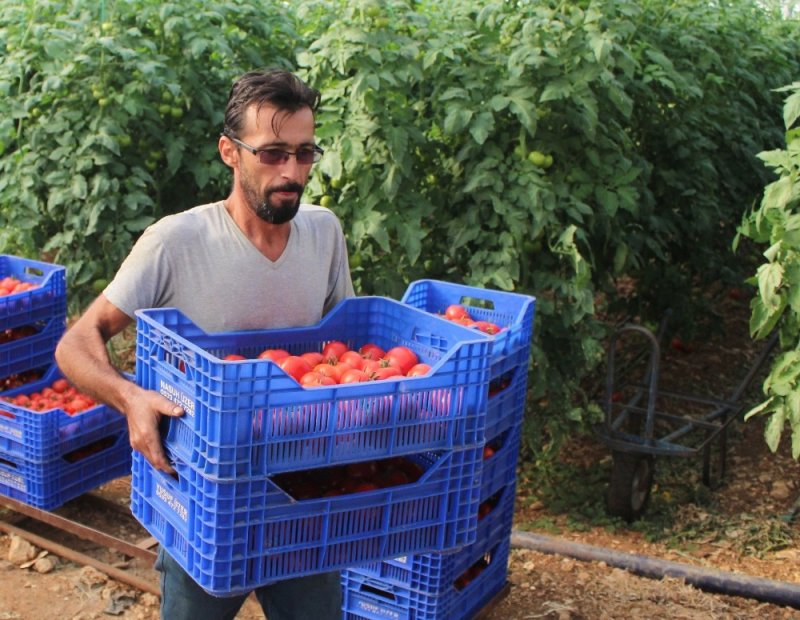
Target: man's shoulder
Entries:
(317, 215)
(192, 219)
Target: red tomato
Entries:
(402, 357)
(294, 366)
(395, 478)
(369, 366)
(488, 452)
(314, 378)
(362, 487)
(371, 351)
(419, 370)
(234, 357)
(487, 327)
(312, 357)
(333, 350)
(335, 371)
(456, 311)
(60, 386)
(354, 375)
(386, 372)
(353, 358)
(276, 355)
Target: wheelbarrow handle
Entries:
(654, 369)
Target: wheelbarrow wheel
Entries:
(631, 479)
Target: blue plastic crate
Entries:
(439, 586)
(233, 536)
(512, 311)
(506, 402)
(367, 599)
(48, 300)
(500, 470)
(46, 435)
(436, 573)
(47, 485)
(249, 418)
(34, 351)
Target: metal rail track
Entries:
(142, 549)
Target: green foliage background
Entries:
(547, 147)
(775, 223)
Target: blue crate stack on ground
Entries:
(228, 520)
(48, 457)
(458, 585)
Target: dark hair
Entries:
(274, 87)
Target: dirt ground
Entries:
(735, 527)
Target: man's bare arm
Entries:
(83, 358)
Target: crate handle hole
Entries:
(476, 302)
(365, 587)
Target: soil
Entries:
(742, 525)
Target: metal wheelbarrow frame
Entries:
(637, 432)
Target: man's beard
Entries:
(263, 208)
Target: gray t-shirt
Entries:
(200, 262)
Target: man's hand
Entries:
(144, 411)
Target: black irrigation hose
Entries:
(711, 580)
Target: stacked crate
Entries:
(47, 457)
(458, 585)
(230, 519)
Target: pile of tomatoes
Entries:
(60, 394)
(10, 285)
(339, 364)
(472, 573)
(16, 333)
(350, 478)
(459, 314)
(19, 379)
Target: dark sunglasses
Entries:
(273, 156)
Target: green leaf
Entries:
(770, 276)
(774, 428)
(457, 119)
(482, 127)
(791, 110)
(557, 89)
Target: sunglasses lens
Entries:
(272, 157)
(305, 157)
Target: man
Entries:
(258, 259)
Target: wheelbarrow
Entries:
(638, 426)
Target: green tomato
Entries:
(166, 95)
(326, 201)
(548, 160)
(520, 151)
(99, 285)
(102, 102)
(176, 112)
(355, 260)
(537, 158)
(106, 26)
(336, 183)
(124, 139)
(164, 109)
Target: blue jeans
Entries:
(316, 597)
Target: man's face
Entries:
(273, 191)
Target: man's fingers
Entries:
(167, 407)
